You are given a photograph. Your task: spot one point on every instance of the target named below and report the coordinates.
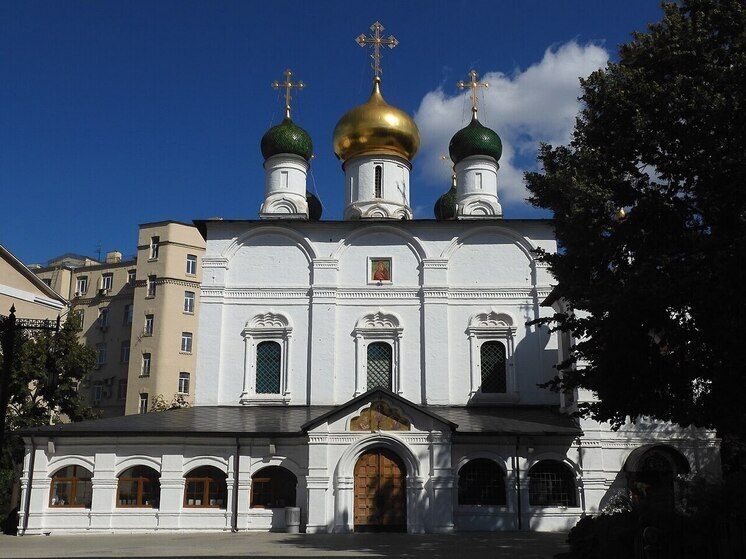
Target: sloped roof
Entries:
(293, 421)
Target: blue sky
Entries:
(115, 113)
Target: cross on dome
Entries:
(376, 41)
(473, 84)
(287, 86)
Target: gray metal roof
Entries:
(289, 421)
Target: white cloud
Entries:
(535, 105)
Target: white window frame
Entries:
(81, 285)
(128, 312)
(151, 286)
(131, 277)
(267, 327)
(147, 363)
(191, 264)
(486, 327)
(155, 245)
(98, 393)
(107, 281)
(149, 325)
(184, 382)
(142, 404)
(377, 327)
(101, 354)
(187, 341)
(189, 302)
(103, 317)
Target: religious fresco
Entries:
(380, 416)
(379, 270)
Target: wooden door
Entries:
(380, 492)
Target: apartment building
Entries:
(164, 326)
(117, 303)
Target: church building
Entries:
(378, 373)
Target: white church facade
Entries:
(378, 373)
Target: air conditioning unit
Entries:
(103, 291)
(78, 294)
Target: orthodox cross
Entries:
(287, 86)
(473, 85)
(376, 40)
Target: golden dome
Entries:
(376, 127)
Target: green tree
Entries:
(43, 387)
(649, 204)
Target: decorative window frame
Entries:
(486, 327)
(377, 327)
(266, 327)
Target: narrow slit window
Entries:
(379, 181)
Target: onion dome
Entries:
(445, 207)
(314, 207)
(376, 127)
(287, 137)
(475, 139)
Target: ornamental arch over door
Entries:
(380, 492)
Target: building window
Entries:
(191, 264)
(145, 371)
(103, 318)
(551, 484)
(268, 366)
(273, 487)
(139, 487)
(189, 302)
(267, 340)
(107, 280)
(493, 365)
(47, 281)
(81, 285)
(491, 341)
(379, 182)
(131, 278)
(122, 389)
(71, 487)
(78, 316)
(127, 315)
(151, 286)
(149, 324)
(101, 353)
(377, 338)
(124, 354)
(184, 383)
(154, 247)
(186, 342)
(206, 487)
(142, 406)
(481, 482)
(98, 393)
(379, 365)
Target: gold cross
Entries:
(288, 85)
(376, 41)
(473, 85)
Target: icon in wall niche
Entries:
(379, 270)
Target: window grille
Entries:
(379, 182)
(379, 365)
(551, 484)
(493, 367)
(481, 482)
(268, 368)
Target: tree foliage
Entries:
(45, 376)
(654, 292)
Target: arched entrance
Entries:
(652, 474)
(380, 492)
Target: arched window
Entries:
(493, 360)
(139, 486)
(551, 484)
(71, 487)
(206, 487)
(273, 487)
(379, 182)
(268, 356)
(481, 482)
(379, 365)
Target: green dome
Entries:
(445, 206)
(286, 137)
(475, 139)
(314, 207)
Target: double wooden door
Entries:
(380, 492)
